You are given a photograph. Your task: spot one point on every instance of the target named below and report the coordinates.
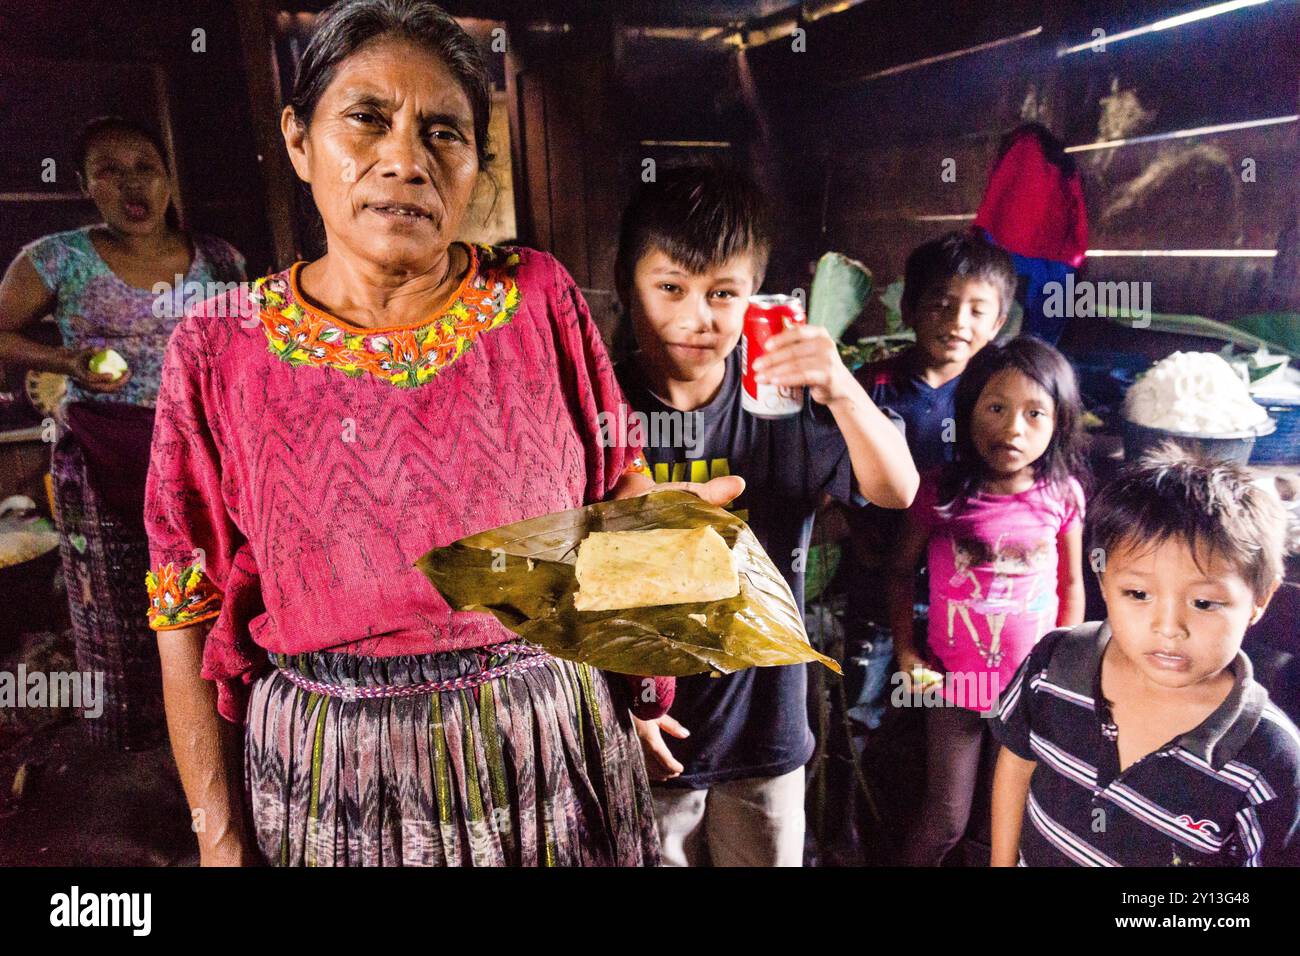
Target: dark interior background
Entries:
(846, 110)
(849, 127)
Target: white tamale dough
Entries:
(623, 569)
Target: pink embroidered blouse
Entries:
(300, 464)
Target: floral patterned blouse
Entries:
(97, 309)
(301, 465)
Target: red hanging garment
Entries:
(1032, 207)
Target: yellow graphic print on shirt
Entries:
(699, 471)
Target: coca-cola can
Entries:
(768, 315)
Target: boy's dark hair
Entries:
(957, 254)
(1065, 456)
(699, 216)
(1211, 504)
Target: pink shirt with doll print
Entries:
(993, 582)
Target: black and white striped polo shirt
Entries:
(1224, 794)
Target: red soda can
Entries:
(768, 315)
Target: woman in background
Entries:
(98, 282)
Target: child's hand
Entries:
(660, 763)
(806, 355)
(719, 492)
(909, 661)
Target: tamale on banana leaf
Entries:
(523, 574)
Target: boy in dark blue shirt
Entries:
(693, 248)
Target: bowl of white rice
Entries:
(1198, 401)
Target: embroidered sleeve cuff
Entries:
(651, 696)
(637, 466)
(180, 597)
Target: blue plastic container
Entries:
(1283, 446)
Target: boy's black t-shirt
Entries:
(753, 723)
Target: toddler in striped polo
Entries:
(1143, 740)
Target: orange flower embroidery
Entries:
(638, 466)
(179, 598)
(405, 358)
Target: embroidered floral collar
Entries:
(405, 357)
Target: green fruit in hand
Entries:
(108, 362)
(924, 677)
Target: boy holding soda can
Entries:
(785, 414)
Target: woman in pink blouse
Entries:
(319, 432)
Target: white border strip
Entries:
(1182, 253)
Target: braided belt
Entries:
(529, 657)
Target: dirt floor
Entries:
(65, 801)
(84, 805)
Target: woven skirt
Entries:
(524, 760)
(105, 557)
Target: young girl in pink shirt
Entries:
(1004, 528)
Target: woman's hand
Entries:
(717, 491)
(806, 356)
(79, 370)
(660, 764)
(208, 750)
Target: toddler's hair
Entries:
(1211, 504)
(964, 254)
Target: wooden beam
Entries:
(518, 161)
(163, 100)
(257, 40)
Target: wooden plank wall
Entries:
(588, 107)
(860, 156)
(561, 91)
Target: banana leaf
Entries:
(1281, 329)
(823, 562)
(523, 574)
(839, 290)
(1199, 325)
(1264, 368)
